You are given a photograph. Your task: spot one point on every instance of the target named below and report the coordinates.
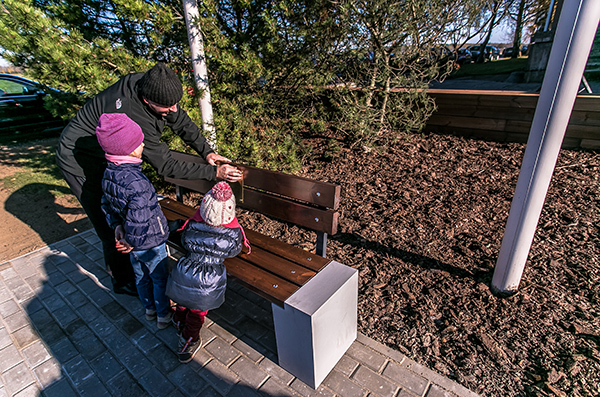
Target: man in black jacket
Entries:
(151, 100)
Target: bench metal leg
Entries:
(318, 323)
(321, 248)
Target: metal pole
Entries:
(190, 8)
(549, 16)
(572, 43)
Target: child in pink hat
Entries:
(197, 284)
(132, 211)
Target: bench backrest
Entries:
(301, 201)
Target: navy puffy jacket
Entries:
(199, 280)
(130, 200)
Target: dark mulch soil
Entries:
(423, 223)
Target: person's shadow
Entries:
(84, 340)
(46, 209)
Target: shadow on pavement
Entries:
(97, 344)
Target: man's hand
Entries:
(120, 244)
(213, 158)
(225, 171)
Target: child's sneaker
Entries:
(150, 314)
(164, 322)
(188, 348)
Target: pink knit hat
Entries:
(218, 205)
(117, 134)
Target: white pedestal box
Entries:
(318, 323)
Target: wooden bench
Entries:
(314, 300)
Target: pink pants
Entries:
(189, 321)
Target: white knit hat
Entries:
(218, 205)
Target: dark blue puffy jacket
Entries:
(130, 200)
(199, 280)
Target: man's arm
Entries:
(158, 154)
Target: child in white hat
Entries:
(197, 284)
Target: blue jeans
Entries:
(151, 273)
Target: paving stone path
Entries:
(64, 333)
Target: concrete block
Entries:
(5, 339)
(165, 359)
(10, 358)
(48, 373)
(25, 336)
(219, 376)
(374, 382)
(93, 387)
(124, 385)
(60, 388)
(406, 379)
(36, 354)
(249, 372)
(367, 356)
(343, 386)
(106, 366)
(78, 370)
(134, 360)
(156, 384)
(222, 351)
(16, 321)
(32, 390)
(318, 323)
(7, 308)
(187, 380)
(17, 378)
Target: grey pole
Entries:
(573, 40)
(190, 8)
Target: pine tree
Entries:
(271, 64)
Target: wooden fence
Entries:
(506, 116)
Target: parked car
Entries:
(491, 53)
(22, 106)
(464, 56)
(508, 51)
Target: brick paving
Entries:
(64, 333)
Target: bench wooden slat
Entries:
(298, 255)
(175, 210)
(323, 194)
(279, 266)
(267, 285)
(299, 214)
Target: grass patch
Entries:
(37, 168)
(35, 183)
(501, 66)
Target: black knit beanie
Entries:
(161, 85)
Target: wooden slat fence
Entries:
(506, 116)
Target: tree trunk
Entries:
(518, 31)
(384, 105)
(482, 46)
